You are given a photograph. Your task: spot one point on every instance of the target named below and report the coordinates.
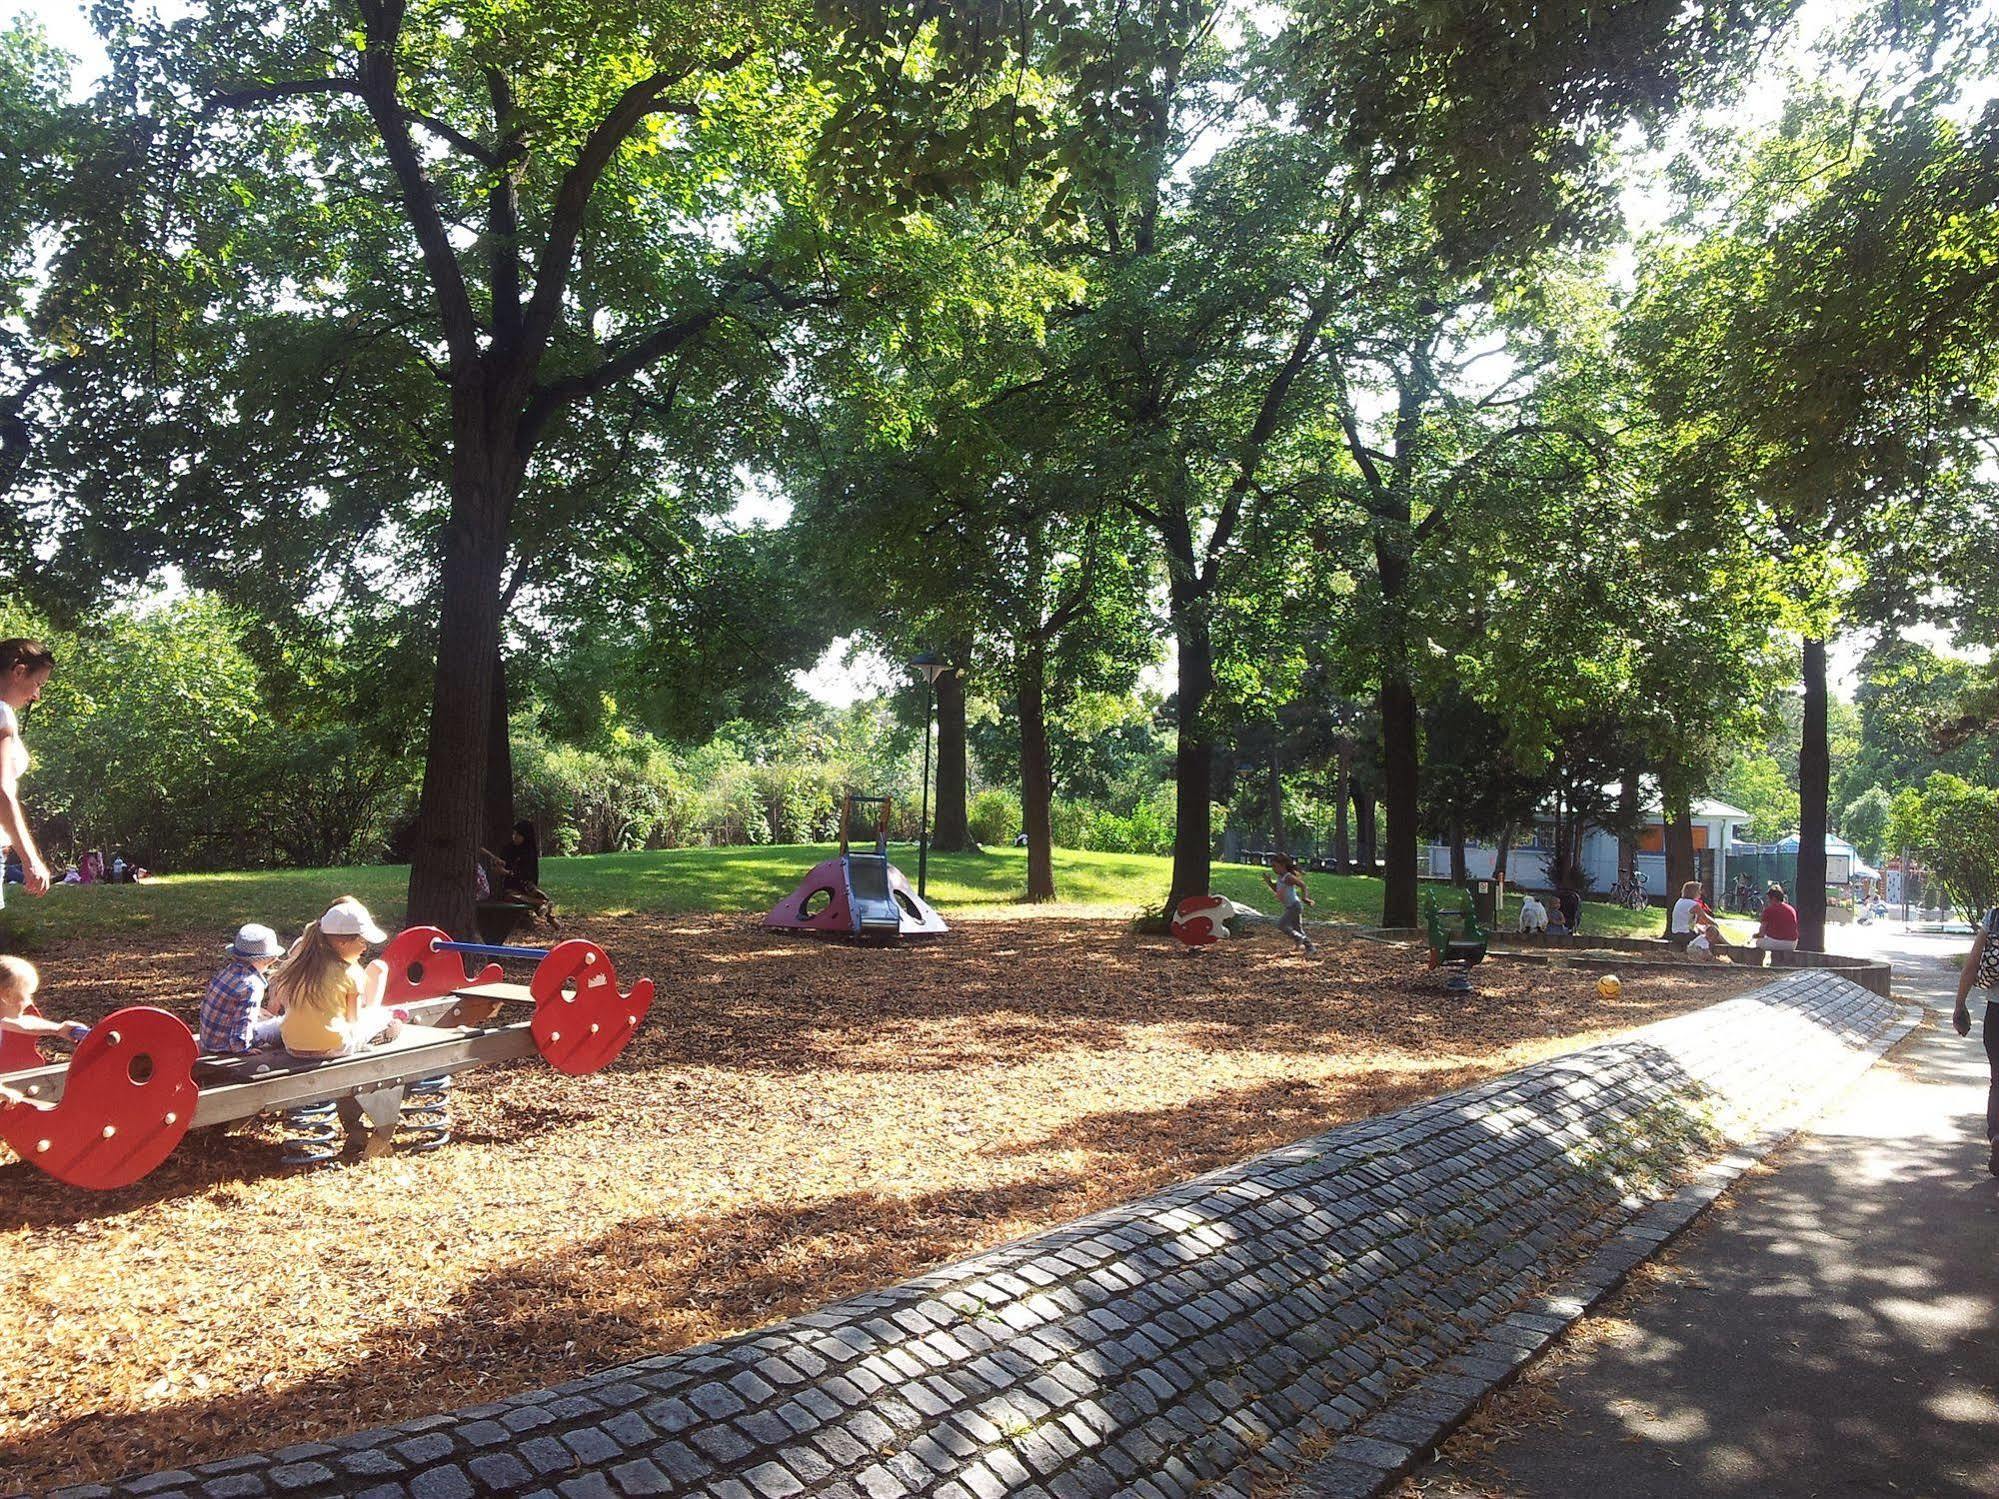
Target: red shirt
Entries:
(1780, 920)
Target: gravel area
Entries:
(798, 1122)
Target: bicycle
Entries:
(1630, 893)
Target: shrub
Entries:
(994, 818)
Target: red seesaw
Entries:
(136, 1083)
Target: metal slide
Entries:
(875, 911)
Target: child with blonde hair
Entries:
(21, 1024)
(332, 1008)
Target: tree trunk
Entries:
(1814, 777)
(1342, 787)
(1627, 818)
(1363, 811)
(1460, 871)
(1275, 792)
(1398, 799)
(1500, 852)
(950, 829)
(1036, 788)
(498, 820)
(453, 803)
(1194, 753)
(1677, 808)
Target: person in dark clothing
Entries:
(519, 869)
(1570, 900)
(1981, 973)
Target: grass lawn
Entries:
(673, 881)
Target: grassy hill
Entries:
(746, 879)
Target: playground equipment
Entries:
(1458, 952)
(1203, 920)
(857, 893)
(136, 1084)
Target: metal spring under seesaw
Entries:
(426, 1120)
(315, 1135)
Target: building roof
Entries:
(1708, 807)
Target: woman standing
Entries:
(1981, 971)
(24, 670)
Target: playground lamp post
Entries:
(930, 666)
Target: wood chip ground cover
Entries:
(798, 1122)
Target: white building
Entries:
(1716, 825)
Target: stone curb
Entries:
(1334, 1305)
(1418, 1421)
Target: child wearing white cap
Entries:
(331, 1007)
(234, 1015)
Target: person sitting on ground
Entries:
(1290, 885)
(21, 1024)
(233, 1014)
(520, 871)
(331, 1007)
(1777, 928)
(1570, 900)
(1558, 924)
(1533, 915)
(1704, 939)
(1687, 914)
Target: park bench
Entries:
(136, 1084)
(1458, 950)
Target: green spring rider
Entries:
(1458, 951)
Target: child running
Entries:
(331, 1008)
(233, 1015)
(1290, 885)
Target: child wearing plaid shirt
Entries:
(232, 1017)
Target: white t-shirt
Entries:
(13, 753)
(1683, 913)
(1533, 915)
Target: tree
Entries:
(1955, 826)
(1756, 784)
(511, 216)
(1865, 821)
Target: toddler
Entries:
(21, 1024)
(234, 1014)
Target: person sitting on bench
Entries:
(331, 1007)
(520, 872)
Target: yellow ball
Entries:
(1610, 986)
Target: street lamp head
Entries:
(930, 666)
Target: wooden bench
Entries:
(136, 1084)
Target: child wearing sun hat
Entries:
(331, 1007)
(234, 1017)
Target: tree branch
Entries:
(251, 95)
(382, 22)
(1267, 416)
(551, 280)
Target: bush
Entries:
(1069, 824)
(994, 818)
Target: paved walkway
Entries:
(1838, 1332)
